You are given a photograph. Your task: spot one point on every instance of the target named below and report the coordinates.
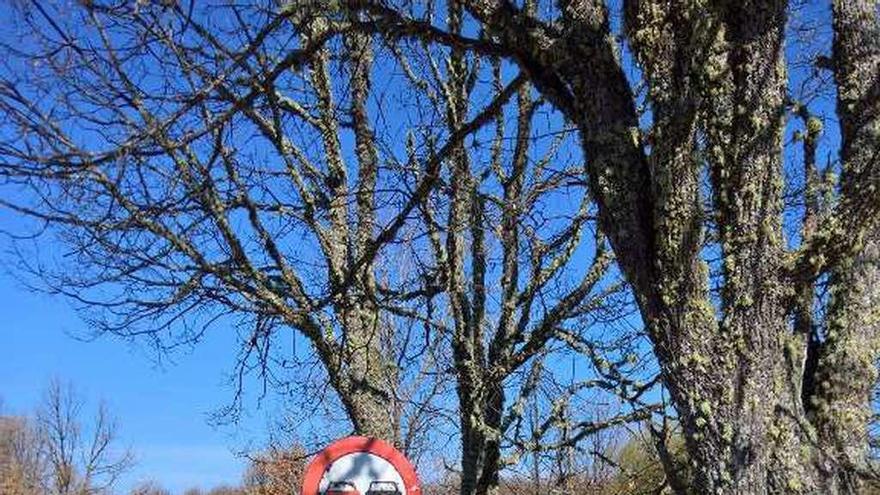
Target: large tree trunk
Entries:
(362, 370)
(365, 376)
(746, 437)
(481, 442)
(741, 406)
(847, 370)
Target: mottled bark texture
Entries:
(766, 405)
(847, 364)
(361, 367)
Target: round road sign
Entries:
(360, 466)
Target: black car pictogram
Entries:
(383, 488)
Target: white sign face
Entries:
(361, 468)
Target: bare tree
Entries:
(200, 171)
(153, 488)
(693, 208)
(60, 451)
(81, 455)
(21, 466)
(526, 274)
(276, 471)
(203, 172)
(248, 177)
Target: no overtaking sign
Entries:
(360, 466)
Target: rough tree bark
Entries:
(847, 369)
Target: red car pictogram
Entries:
(342, 488)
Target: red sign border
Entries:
(350, 445)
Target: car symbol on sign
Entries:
(383, 488)
(342, 488)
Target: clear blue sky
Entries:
(162, 410)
